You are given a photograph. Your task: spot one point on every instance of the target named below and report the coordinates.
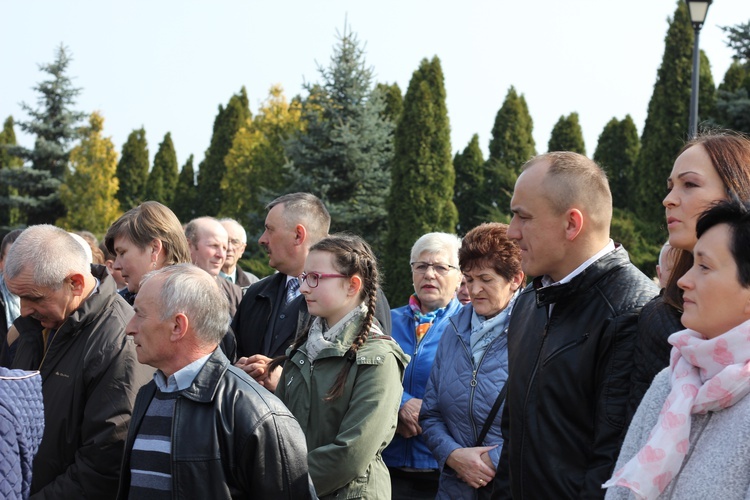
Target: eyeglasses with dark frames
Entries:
(313, 279)
(422, 267)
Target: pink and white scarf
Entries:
(706, 375)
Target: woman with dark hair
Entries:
(342, 376)
(712, 167)
(689, 437)
(461, 410)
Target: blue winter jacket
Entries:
(413, 452)
(458, 400)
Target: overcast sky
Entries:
(167, 64)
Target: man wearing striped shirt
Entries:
(202, 428)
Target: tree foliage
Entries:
(422, 177)
(9, 217)
(162, 181)
(185, 202)
(88, 192)
(53, 124)
(394, 101)
(469, 167)
(132, 170)
(733, 100)
(344, 153)
(212, 169)
(567, 135)
(256, 162)
(617, 151)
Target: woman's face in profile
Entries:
(693, 186)
(714, 300)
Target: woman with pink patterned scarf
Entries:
(690, 437)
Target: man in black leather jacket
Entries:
(571, 334)
(203, 428)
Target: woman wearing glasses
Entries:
(417, 327)
(462, 404)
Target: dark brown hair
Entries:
(730, 156)
(351, 256)
(488, 245)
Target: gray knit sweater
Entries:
(717, 465)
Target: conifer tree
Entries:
(616, 152)
(422, 176)
(567, 135)
(469, 167)
(344, 153)
(185, 200)
(666, 127)
(132, 170)
(256, 162)
(706, 91)
(733, 102)
(512, 141)
(213, 167)
(394, 101)
(53, 124)
(9, 216)
(511, 145)
(162, 181)
(88, 192)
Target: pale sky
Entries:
(167, 64)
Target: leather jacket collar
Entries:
(203, 388)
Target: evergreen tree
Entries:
(666, 124)
(88, 193)
(511, 145)
(53, 124)
(733, 102)
(213, 167)
(256, 162)
(132, 170)
(706, 90)
(185, 200)
(469, 167)
(617, 152)
(394, 101)
(9, 216)
(162, 181)
(422, 176)
(344, 153)
(567, 135)
(512, 141)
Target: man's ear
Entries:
(300, 234)
(77, 283)
(355, 285)
(573, 223)
(179, 327)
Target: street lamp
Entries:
(698, 10)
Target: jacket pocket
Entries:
(566, 347)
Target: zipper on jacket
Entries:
(473, 383)
(47, 347)
(528, 392)
(566, 347)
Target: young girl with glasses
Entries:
(342, 376)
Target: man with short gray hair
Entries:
(72, 329)
(203, 428)
(237, 242)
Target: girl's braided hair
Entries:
(351, 255)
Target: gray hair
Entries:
(190, 290)
(306, 209)
(237, 225)
(50, 253)
(433, 243)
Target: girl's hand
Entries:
(472, 465)
(408, 418)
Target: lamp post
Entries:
(698, 10)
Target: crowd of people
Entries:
(533, 359)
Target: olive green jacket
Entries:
(345, 437)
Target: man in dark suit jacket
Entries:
(271, 311)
